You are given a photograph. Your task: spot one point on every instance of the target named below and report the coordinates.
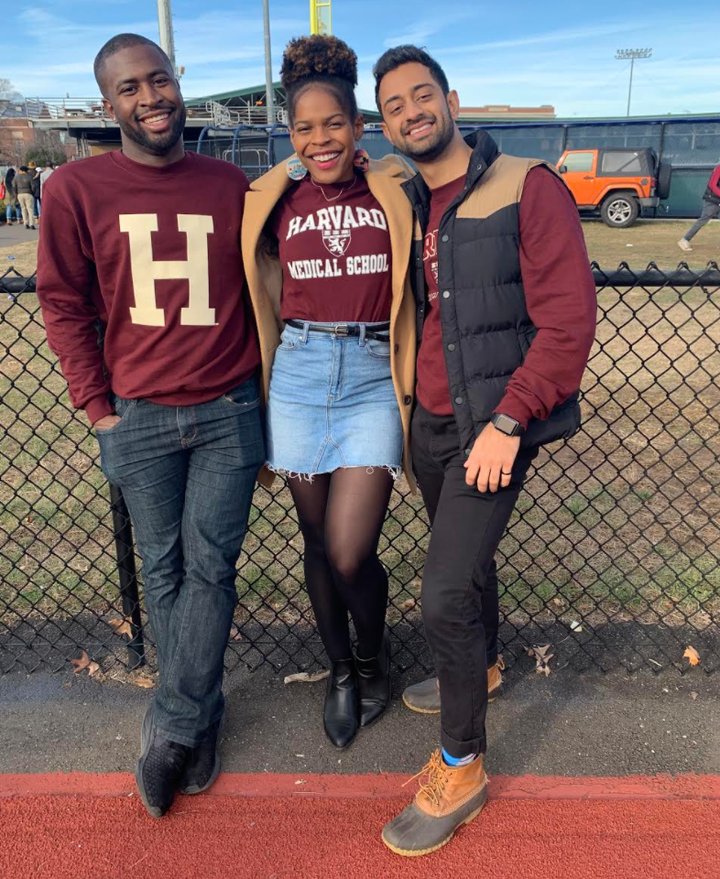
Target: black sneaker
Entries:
(160, 768)
(203, 767)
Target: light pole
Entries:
(632, 55)
(269, 93)
(167, 40)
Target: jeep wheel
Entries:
(620, 210)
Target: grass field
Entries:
(619, 523)
(646, 241)
(24, 258)
(650, 241)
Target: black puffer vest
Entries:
(486, 328)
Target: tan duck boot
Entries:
(425, 696)
(448, 798)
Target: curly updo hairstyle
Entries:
(323, 61)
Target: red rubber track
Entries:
(94, 826)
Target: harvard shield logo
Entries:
(337, 241)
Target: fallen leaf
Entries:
(692, 655)
(308, 677)
(559, 602)
(542, 658)
(409, 603)
(235, 634)
(544, 668)
(143, 681)
(85, 663)
(81, 663)
(122, 627)
(693, 696)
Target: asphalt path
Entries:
(567, 724)
(15, 234)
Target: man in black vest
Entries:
(506, 317)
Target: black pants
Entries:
(460, 586)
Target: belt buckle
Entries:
(341, 331)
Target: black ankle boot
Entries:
(341, 716)
(373, 676)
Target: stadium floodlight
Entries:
(632, 55)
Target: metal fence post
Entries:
(125, 552)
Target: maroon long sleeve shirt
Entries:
(560, 298)
(153, 256)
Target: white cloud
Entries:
(418, 32)
(219, 51)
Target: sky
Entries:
(518, 52)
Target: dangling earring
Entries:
(361, 160)
(295, 169)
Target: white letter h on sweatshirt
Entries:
(145, 270)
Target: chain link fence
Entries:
(611, 557)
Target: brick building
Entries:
(18, 133)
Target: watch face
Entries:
(506, 424)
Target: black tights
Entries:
(341, 516)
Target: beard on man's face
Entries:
(435, 144)
(158, 144)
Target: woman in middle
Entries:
(326, 244)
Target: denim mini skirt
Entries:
(332, 404)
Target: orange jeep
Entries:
(617, 183)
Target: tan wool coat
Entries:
(264, 279)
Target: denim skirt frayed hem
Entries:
(332, 405)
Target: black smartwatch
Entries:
(507, 425)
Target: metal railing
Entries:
(214, 113)
(612, 555)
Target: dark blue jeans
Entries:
(187, 474)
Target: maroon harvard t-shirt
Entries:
(153, 254)
(433, 389)
(335, 253)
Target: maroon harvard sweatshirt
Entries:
(153, 255)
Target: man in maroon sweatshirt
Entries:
(506, 318)
(140, 249)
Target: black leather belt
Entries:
(343, 331)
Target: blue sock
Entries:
(457, 761)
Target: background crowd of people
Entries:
(21, 189)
